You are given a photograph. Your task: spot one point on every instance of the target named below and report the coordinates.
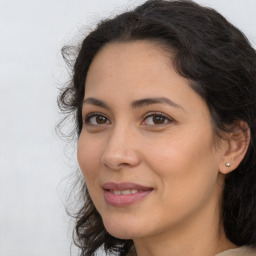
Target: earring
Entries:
(227, 164)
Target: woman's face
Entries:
(147, 148)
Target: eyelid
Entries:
(155, 113)
(93, 114)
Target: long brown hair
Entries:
(221, 65)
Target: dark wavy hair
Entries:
(220, 64)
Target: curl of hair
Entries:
(220, 64)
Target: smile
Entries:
(124, 194)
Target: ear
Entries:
(236, 145)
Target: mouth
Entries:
(124, 194)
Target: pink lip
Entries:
(124, 200)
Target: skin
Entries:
(175, 154)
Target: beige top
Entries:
(240, 251)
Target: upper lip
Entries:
(124, 186)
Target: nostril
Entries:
(120, 160)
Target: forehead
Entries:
(134, 63)
(137, 69)
(127, 55)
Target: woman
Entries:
(164, 98)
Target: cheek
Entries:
(181, 150)
(185, 163)
(88, 154)
(88, 157)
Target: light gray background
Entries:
(33, 165)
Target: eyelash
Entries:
(161, 115)
(152, 114)
(89, 116)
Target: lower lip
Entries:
(124, 200)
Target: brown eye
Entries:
(157, 119)
(96, 119)
(101, 120)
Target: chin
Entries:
(120, 233)
(122, 229)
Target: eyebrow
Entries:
(150, 101)
(96, 102)
(135, 104)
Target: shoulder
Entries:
(240, 251)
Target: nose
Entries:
(121, 150)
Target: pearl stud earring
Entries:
(227, 164)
